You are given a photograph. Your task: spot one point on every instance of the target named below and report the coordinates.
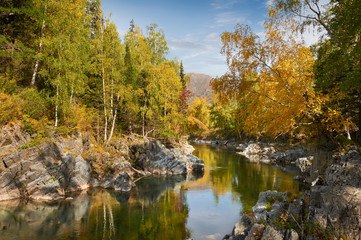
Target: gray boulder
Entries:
(154, 157)
(304, 163)
(271, 234)
(242, 227)
(255, 232)
(260, 209)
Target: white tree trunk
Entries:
(56, 105)
(114, 119)
(103, 78)
(143, 124)
(33, 79)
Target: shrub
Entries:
(34, 103)
(10, 110)
(79, 118)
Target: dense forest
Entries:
(64, 68)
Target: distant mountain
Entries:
(200, 86)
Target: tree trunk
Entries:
(56, 105)
(33, 79)
(103, 79)
(114, 119)
(143, 124)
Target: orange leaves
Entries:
(272, 77)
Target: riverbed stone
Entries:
(154, 157)
(291, 234)
(260, 209)
(304, 163)
(123, 183)
(255, 232)
(242, 227)
(270, 233)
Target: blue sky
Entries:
(192, 27)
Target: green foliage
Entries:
(29, 98)
(269, 203)
(343, 141)
(223, 117)
(62, 63)
(36, 141)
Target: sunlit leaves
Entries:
(272, 77)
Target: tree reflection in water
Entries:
(175, 207)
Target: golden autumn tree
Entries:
(198, 115)
(273, 79)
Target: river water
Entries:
(177, 207)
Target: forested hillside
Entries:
(199, 85)
(64, 67)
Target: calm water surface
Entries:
(177, 207)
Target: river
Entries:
(176, 207)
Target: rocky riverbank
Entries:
(60, 165)
(271, 153)
(330, 210)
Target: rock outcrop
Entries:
(337, 203)
(46, 173)
(155, 158)
(330, 210)
(271, 205)
(58, 166)
(276, 154)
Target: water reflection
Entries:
(227, 172)
(176, 207)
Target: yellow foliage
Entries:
(80, 118)
(199, 115)
(272, 78)
(10, 111)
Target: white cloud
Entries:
(224, 4)
(311, 35)
(187, 44)
(226, 18)
(212, 36)
(269, 3)
(192, 56)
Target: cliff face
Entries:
(60, 165)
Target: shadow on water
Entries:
(175, 207)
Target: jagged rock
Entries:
(121, 183)
(154, 157)
(11, 138)
(346, 170)
(304, 163)
(255, 232)
(77, 172)
(271, 234)
(56, 167)
(260, 152)
(338, 208)
(290, 234)
(260, 209)
(242, 227)
(43, 173)
(336, 202)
